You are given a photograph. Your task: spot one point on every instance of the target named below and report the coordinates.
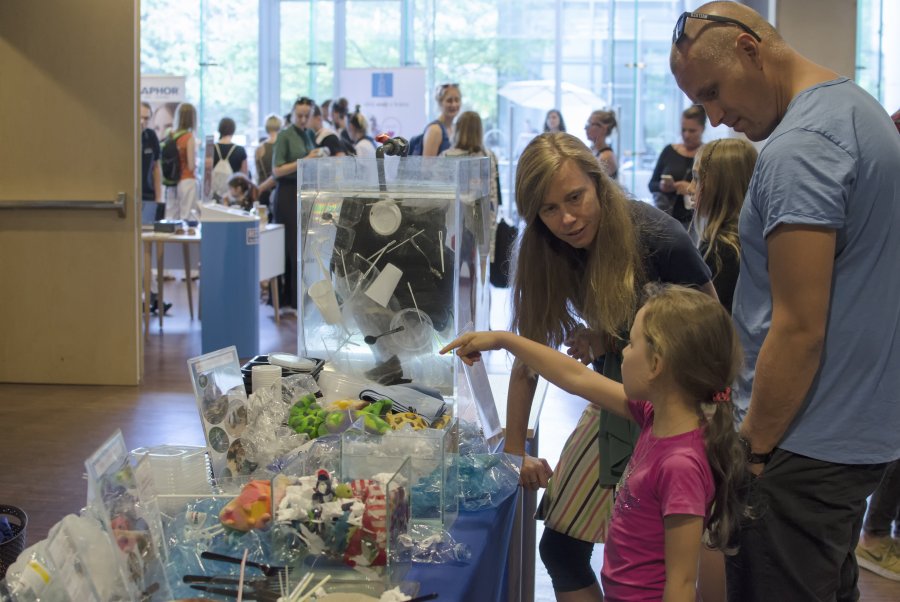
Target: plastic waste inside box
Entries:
(229, 283)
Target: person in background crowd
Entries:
(151, 172)
(583, 258)
(241, 192)
(339, 110)
(151, 185)
(292, 144)
(182, 198)
(599, 127)
(877, 550)
(468, 141)
(553, 122)
(682, 487)
(327, 142)
(358, 127)
(817, 304)
(721, 175)
(264, 153)
(672, 175)
(439, 132)
(325, 108)
(225, 148)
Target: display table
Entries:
(271, 264)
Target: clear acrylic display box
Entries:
(390, 248)
(329, 533)
(434, 467)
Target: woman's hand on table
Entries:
(535, 473)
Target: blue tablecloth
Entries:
(483, 578)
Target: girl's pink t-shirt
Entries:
(665, 476)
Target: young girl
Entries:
(721, 175)
(681, 484)
(241, 192)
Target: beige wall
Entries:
(68, 131)
(822, 30)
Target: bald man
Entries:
(817, 304)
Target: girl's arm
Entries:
(683, 535)
(191, 149)
(563, 371)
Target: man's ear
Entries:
(748, 49)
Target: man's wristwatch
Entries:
(754, 458)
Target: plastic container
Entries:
(10, 549)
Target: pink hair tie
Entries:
(722, 396)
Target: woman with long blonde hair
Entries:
(721, 175)
(583, 258)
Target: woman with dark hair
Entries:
(236, 154)
(292, 144)
(672, 175)
(583, 258)
(327, 142)
(241, 192)
(339, 110)
(554, 122)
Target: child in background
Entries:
(721, 175)
(681, 485)
(241, 192)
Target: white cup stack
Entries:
(264, 375)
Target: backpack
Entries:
(169, 162)
(417, 143)
(221, 174)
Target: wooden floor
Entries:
(46, 432)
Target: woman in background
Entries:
(182, 199)
(439, 133)
(327, 142)
(553, 122)
(292, 144)
(672, 175)
(721, 175)
(339, 110)
(599, 127)
(358, 126)
(264, 153)
(468, 141)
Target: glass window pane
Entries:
(373, 34)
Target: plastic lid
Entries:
(385, 217)
(289, 360)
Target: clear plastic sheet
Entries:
(267, 439)
(485, 480)
(427, 547)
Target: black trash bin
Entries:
(11, 548)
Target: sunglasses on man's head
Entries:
(678, 32)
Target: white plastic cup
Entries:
(322, 294)
(381, 290)
(264, 375)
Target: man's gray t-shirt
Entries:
(834, 162)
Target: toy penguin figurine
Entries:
(323, 492)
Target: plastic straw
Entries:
(344, 265)
(441, 241)
(315, 588)
(407, 240)
(418, 313)
(240, 587)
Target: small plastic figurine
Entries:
(323, 492)
(251, 509)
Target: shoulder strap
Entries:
(231, 150)
(218, 151)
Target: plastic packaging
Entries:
(485, 480)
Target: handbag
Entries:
(503, 246)
(575, 503)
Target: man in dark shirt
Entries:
(151, 183)
(151, 173)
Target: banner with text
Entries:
(392, 100)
